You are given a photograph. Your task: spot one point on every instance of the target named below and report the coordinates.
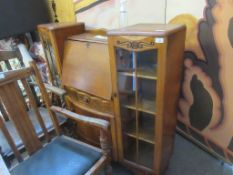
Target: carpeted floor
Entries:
(188, 159)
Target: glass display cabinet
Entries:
(146, 66)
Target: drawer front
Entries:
(89, 102)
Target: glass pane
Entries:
(146, 154)
(125, 60)
(126, 89)
(146, 95)
(147, 64)
(146, 130)
(128, 119)
(126, 65)
(130, 148)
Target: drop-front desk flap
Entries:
(86, 65)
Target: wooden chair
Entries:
(6, 58)
(60, 155)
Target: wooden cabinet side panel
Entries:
(173, 72)
(56, 34)
(58, 38)
(160, 90)
(115, 95)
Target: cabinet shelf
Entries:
(144, 134)
(146, 74)
(147, 136)
(146, 106)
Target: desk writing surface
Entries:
(86, 67)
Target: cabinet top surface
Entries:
(148, 30)
(89, 37)
(54, 26)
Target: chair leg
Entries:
(106, 147)
(5, 158)
(108, 170)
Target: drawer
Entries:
(89, 101)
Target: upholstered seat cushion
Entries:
(63, 156)
(5, 148)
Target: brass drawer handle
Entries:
(114, 95)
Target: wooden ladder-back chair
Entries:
(60, 155)
(7, 57)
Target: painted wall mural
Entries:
(83, 5)
(206, 103)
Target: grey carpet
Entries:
(188, 159)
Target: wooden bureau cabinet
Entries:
(146, 67)
(79, 62)
(87, 79)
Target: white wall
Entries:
(107, 14)
(176, 7)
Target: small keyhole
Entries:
(114, 95)
(87, 100)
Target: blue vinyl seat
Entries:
(78, 159)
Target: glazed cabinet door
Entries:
(136, 74)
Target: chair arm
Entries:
(56, 90)
(103, 124)
(3, 168)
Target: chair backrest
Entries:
(10, 60)
(14, 104)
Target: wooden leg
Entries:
(6, 160)
(106, 147)
(104, 142)
(108, 170)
